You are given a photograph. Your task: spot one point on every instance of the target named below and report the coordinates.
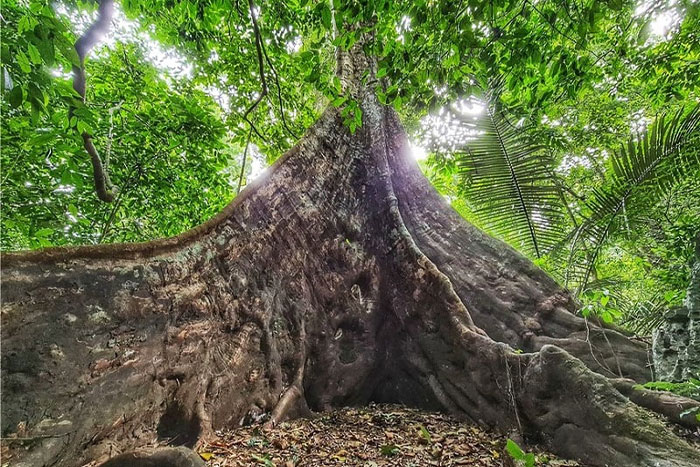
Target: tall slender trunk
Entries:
(341, 277)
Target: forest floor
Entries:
(378, 435)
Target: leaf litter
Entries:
(377, 435)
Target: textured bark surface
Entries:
(676, 342)
(339, 277)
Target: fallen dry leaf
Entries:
(373, 436)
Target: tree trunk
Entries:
(339, 277)
(676, 342)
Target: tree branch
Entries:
(261, 63)
(103, 185)
(279, 94)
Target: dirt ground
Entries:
(378, 435)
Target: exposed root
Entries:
(584, 417)
(677, 409)
(292, 401)
(159, 457)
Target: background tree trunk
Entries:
(339, 277)
(676, 342)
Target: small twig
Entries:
(34, 438)
(120, 198)
(261, 67)
(590, 346)
(617, 362)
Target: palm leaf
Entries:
(639, 315)
(642, 317)
(507, 178)
(648, 166)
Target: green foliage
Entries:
(507, 177)
(389, 449)
(690, 388)
(579, 81)
(518, 455)
(165, 142)
(663, 155)
(599, 304)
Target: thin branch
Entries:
(245, 157)
(103, 185)
(561, 187)
(117, 204)
(553, 25)
(279, 93)
(261, 67)
(261, 64)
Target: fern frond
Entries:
(662, 156)
(508, 180)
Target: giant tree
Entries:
(339, 277)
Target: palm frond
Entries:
(663, 155)
(643, 316)
(508, 180)
(637, 314)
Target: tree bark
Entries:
(339, 277)
(676, 341)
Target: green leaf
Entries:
(26, 23)
(34, 54)
(36, 94)
(509, 178)
(47, 51)
(425, 434)
(15, 97)
(326, 16)
(389, 449)
(337, 102)
(43, 233)
(358, 116)
(40, 139)
(514, 450)
(23, 62)
(396, 103)
(337, 85)
(84, 127)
